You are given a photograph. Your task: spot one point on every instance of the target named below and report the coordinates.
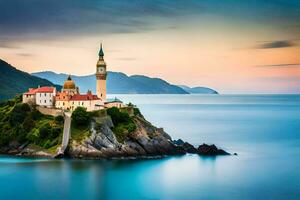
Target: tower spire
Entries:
(101, 53)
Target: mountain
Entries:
(198, 90)
(14, 81)
(117, 83)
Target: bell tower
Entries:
(101, 76)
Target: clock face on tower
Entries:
(101, 70)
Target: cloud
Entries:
(25, 54)
(47, 19)
(126, 59)
(281, 65)
(7, 44)
(276, 44)
(32, 17)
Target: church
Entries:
(69, 98)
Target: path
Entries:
(66, 134)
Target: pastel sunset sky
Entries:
(233, 46)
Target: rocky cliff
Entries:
(109, 133)
(145, 141)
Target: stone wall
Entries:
(49, 111)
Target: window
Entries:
(45, 94)
(82, 103)
(40, 94)
(40, 101)
(45, 101)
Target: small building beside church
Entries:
(114, 102)
(41, 96)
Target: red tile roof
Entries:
(84, 97)
(45, 89)
(31, 91)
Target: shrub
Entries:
(45, 131)
(35, 114)
(131, 127)
(59, 119)
(81, 117)
(28, 124)
(117, 116)
(55, 131)
(11, 102)
(33, 135)
(47, 144)
(4, 138)
(19, 113)
(3, 103)
(137, 112)
(124, 124)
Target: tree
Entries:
(59, 119)
(28, 124)
(117, 116)
(45, 131)
(81, 117)
(19, 113)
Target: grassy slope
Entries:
(42, 131)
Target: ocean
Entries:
(264, 130)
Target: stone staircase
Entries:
(66, 135)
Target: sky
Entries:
(233, 46)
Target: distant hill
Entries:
(14, 81)
(198, 90)
(117, 83)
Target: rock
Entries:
(13, 145)
(210, 150)
(145, 141)
(178, 142)
(189, 148)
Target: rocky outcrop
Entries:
(204, 149)
(210, 150)
(145, 141)
(24, 150)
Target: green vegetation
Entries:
(98, 113)
(81, 117)
(24, 124)
(123, 123)
(137, 112)
(80, 127)
(79, 133)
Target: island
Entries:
(46, 122)
(111, 133)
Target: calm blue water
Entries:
(263, 129)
